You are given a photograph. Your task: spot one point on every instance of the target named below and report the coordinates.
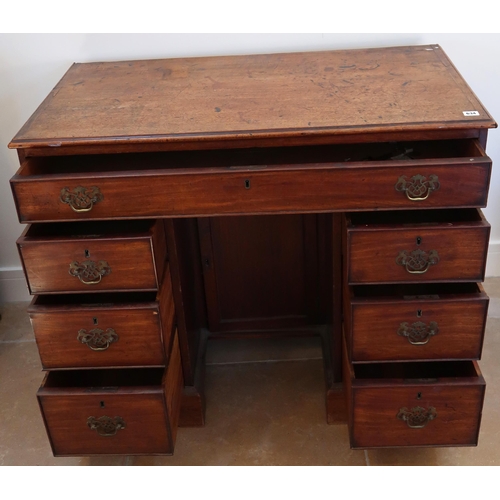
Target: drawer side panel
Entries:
(174, 386)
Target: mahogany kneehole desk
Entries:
(325, 193)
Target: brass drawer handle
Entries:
(97, 339)
(89, 272)
(417, 417)
(418, 188)
(81, 199)
(418, 333)
(106, 426)
(418, 261)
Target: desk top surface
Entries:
(282, 96)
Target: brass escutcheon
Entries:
(417, 417)
(89, 272)
(97, 339)
(81, 199)
(106, 426)
(418, 188)
(418, 333)
(418, 261)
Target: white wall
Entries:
(31, 65)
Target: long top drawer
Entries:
(386, 176)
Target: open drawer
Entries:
(416, 246)
(387, 176)
(123, 411)
(93, 256)
(110, 330)
(414, 404)
(415, 322)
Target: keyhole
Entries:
(419, 240)
(101, 404)
(247, 183)
(94, 321)
(419, 395)
(87, 254)
(419, 313)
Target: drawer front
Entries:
(53, 267)
(99, 338)
(119, 334)
(127, 424)
(130, 420)
(423, 254)
(417, 329)
(325, 187)
(83, 264)
(420, 415)
(104, 335)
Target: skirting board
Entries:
(13, 286)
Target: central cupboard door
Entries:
(263, 272)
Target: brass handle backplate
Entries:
(106, 426)
(89, 272)
(418, 188)
(417, 417)
(81, 199)
(97, 339)
(418, 333)
(418, 261)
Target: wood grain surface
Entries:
(67, 400)
(254, 96)
(457, 423)
(377, 392)
(134, 260)
(260, 272)
(374, 321)
(137, 326)
(373, 250)
(276, 189)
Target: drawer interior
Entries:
(416, 371)
(94, 229)
(371, 152)
(105, 379)
(411, 217)
(414, 291)
(103, 300)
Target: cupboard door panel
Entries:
(261, 272)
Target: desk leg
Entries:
(187, 286)
(193, 397)
(335, 402)
(337, 299)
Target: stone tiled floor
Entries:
(265, 406)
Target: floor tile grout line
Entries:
(20, 341)
(367, 459)
(263, 361)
